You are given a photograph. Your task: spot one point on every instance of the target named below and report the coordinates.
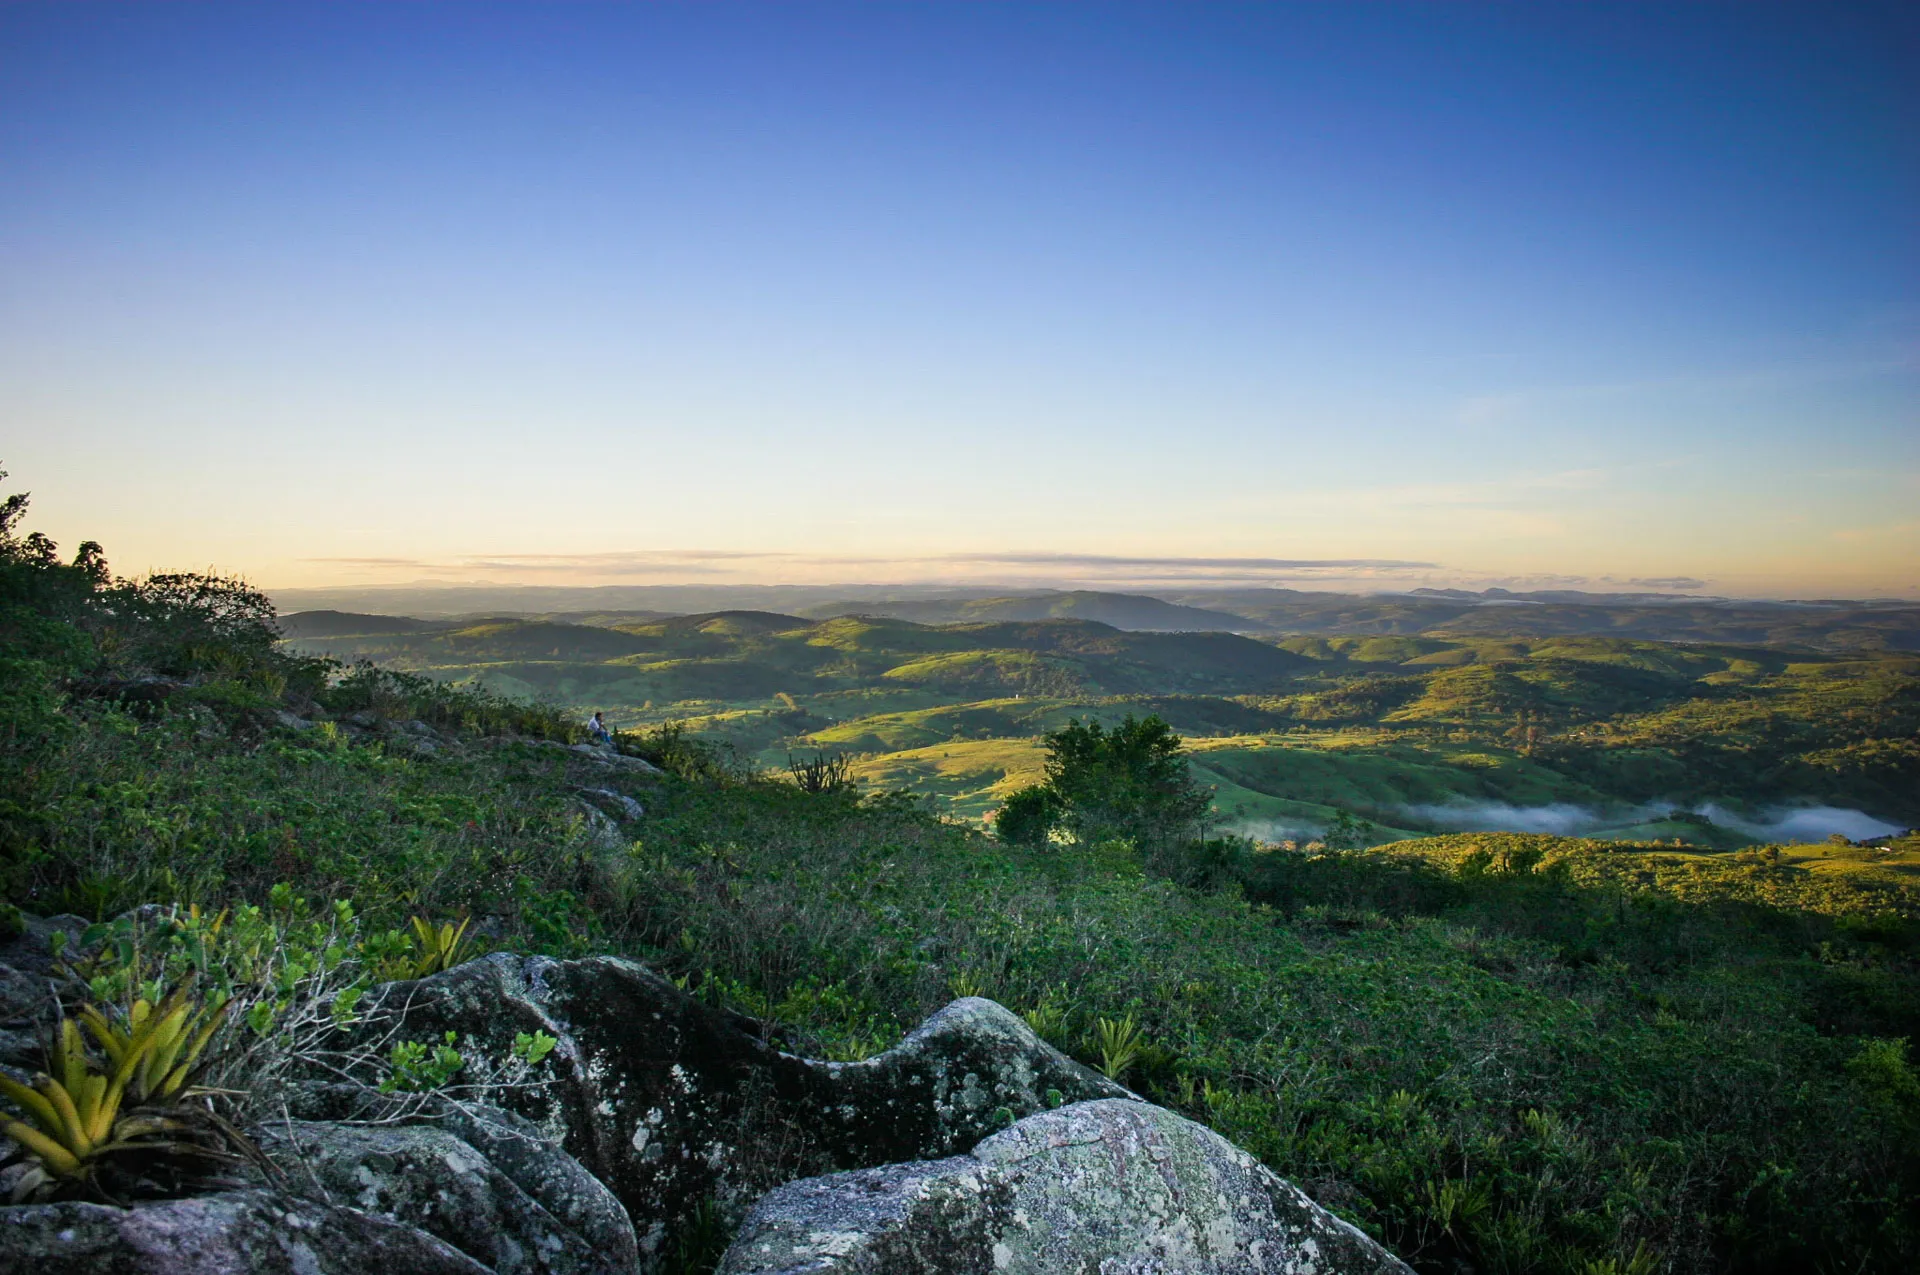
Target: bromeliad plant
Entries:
(93, 1109)
(157, 1047)
(418, 951)
(438, 949)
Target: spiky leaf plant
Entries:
(1120, 1045)
(438, 949)
(74, 1120)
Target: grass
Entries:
(1297, 726)
(1497, 1052)
(969, 777)
(1488, 1059)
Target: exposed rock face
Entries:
(968, 1071)
(973, 1147)
(602, 832)
(255, 1232)
(616, 804)
(26, 994)
(1110, 1187)
(940, 1217)
(427, 1177)
(607, 757)
(556, 1181)
(359, 1200)
(669, 1101)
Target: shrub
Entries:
(1028, 817)
(1128, 783)
(822, 773)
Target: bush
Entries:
(1028, 817)
(395, 696)
(1129, 783)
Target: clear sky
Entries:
(1532, 293)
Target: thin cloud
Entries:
(1240, 564)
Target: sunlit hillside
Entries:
(1592, 734)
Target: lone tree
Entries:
(1128, 782)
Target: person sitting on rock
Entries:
(598, 729)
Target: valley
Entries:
(1718, 744)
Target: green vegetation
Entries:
(1129, 784)
(1520, 1052)
(1290, 732)
(125, 1101)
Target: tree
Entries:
(1028, 817)
(1131, 781)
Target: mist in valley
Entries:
(1778, 824)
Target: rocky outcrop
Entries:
(672, 1103)
(940, 1217)
(26, 988)
(1111, 1187)
(556, 1181)
(617, 804)
(478, 1191)
(550, 1216)
(970, 1146)
(255, 1232)
(601, 755)
(970, 1070)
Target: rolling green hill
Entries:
(1121, 610)
(1498, 1052)
(1823, 624)
(1408, 730)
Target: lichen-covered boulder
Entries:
(1147, 1190)
(931, 1217)
(969, 1070)
(26, 990)
(255, 1232)
(671, 1102)
(667, 1101)
(1110, 1187)
(425, 1176)
(555, 1180)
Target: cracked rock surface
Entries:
(236, 1232)
(671, 1102)
(428, 1177)
(971, 1146)
(1109, 1187)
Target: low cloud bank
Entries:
(1812, 823)
(1564, 819)
(1561, 819)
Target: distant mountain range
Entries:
(1824, 624)
(1137, 612)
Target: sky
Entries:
(1614, 296)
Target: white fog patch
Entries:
(1784, 824)
(1811, 823)
(1781, 824)
(1562, 818)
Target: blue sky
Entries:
(381, 293)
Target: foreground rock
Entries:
(26, 988)
(255, 1232)
(357, 1200)
(1099, 1188)
(538, 1212)
(970, 1146)
(672, 1103)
